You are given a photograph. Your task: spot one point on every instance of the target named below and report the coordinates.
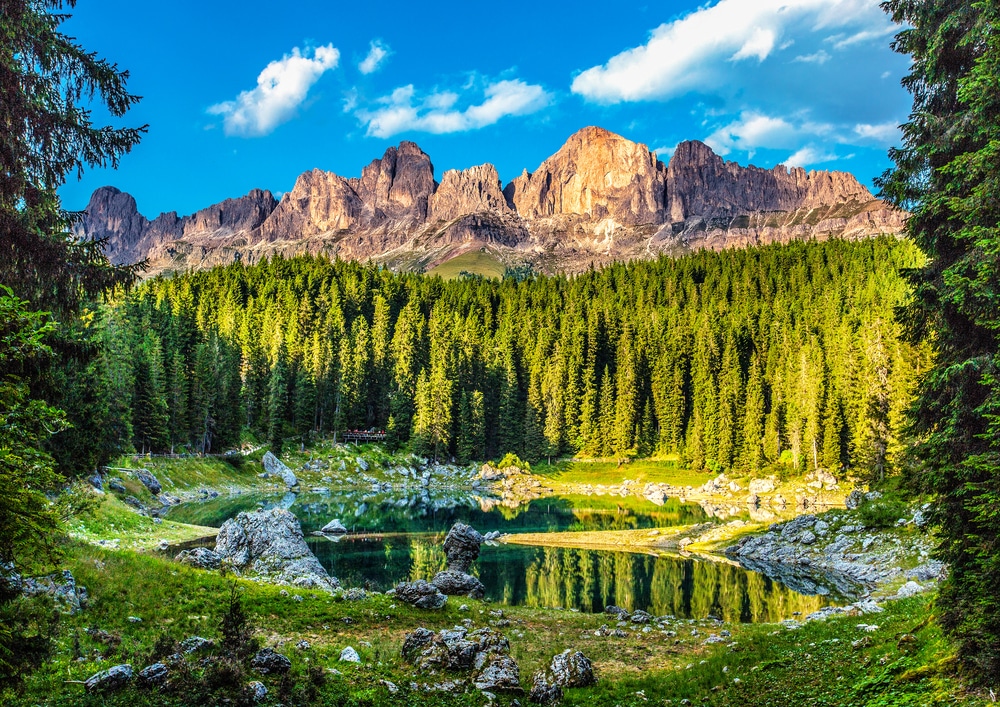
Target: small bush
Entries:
(882, 512)
(510, 459)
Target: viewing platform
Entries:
(362, 436)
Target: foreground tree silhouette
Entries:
(46, 134)
(947, 174)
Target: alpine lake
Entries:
(397, 537)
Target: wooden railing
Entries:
(363, 436)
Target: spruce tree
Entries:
(947, 174)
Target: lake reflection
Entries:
(400, 538)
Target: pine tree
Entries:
(432, 421)
(946, 175)
(753, 419)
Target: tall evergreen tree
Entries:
(947, 173)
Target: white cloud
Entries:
(883, 133)
(842, 42)
(665, 152)
(758, 45)
(402, 111)
(807, 156)
(377, 54)
(695, 52)
(281, 88)
(753, 130)
(820, 57)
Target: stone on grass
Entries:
(153, 675)
(149, 481)
(498, 673)
(544, 691)
(572, 669)
(110, 680)
(200, 557)
(257, 690)
(484, 653)
(421, 594)
(65, 592)
(269, 545)
(275, 467)
(349, 655)
(640, 617)
(415, 642)
(455, 583)
(910, 589)
(267, 661)
(193, 644)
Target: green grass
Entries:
(817, 664)
(111, 520)
(476, 262)
(191, 473)
(641, 471)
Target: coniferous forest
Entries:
(734, 360)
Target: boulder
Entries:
(275, 467)
(759, 486)
(498, 673)
(200, 557)
(154, 675)
(484, 653)
(110, 680)
(194, 644)
(544, 690)
(334, 527)
(116, 485)
(461, 547)
(455, 583)
(415, 642)
(854, 499)
(640, 617)
(257, 691)
(349, 655)
(149, 481)
(421, 594)
(269, 545)
(572, 669)
(267, 661)
(909, 589)
(67, 595)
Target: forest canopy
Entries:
(733, 360)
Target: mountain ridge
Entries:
(598, 199)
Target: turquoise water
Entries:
(398, 538)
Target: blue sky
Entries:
(240, 95)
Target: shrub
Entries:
(882, 512)
(510, 459)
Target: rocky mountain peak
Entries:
(473, 190)
(399, 185)
(596, 174)
(599, 198)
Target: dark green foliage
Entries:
(882, 512)
(236, 628)
(947, 174)
(46, 83)
(729, 360)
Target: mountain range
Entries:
(600, 198)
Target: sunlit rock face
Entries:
(598, 199)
